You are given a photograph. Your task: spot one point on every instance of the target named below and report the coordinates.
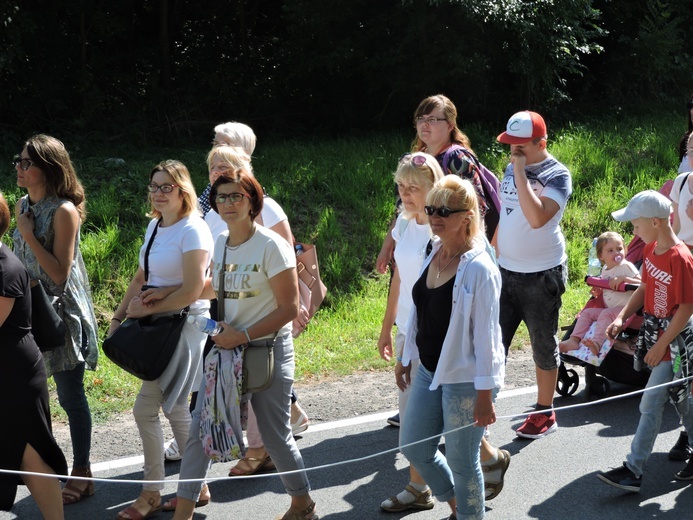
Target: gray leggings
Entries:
(273, 411)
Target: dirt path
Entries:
(324, 400)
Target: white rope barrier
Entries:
(348, 461)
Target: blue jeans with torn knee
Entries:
(457, 473)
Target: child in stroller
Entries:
(616, 270)
(585, 342)
(617, 364)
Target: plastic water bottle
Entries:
(206, 325)
(594, 266)
(299, 249)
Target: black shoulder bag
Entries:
(144, 347)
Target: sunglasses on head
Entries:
(417, 160)
(441, 211)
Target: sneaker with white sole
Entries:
(171, 451)
(394, 421)
(622, 478)
(537, 425)
(494, 474)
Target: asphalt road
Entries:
(548, 479)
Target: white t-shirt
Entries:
(617, 298)
(522, 248)
(248, 296)
(166, 254)
(272, 214)
(682, 196)
(410, 252)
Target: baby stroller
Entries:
(617, 365)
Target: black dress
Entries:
(26, 417)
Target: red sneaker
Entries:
(537, 425)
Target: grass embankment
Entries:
(338, 194)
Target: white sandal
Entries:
(171, 451)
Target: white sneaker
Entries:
(171, 451)
(299, 419)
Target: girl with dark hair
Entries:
(46, 241)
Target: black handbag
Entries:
(144, 347)
(47, 323)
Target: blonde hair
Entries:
(181, 177)
(424, 176)
(235, 156)
(455, 193)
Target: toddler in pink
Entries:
(611, 252)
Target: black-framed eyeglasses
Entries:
(233, 198)
(24, 164)
(417, 160)
(428, 120)
(441, 211)
(165, 188)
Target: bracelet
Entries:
(247, 335)
(116, 319)
(399, 358)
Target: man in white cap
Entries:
(532, 256)
(666, 295)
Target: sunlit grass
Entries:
(338, 195)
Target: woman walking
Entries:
(47, 241)
(260, 301)
(179, 253)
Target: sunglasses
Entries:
(24, 164)
(417, 160)
(442, 211)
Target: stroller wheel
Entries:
(599, 387)
(568, 382)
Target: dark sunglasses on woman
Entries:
(441, 211)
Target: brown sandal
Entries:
(255, 464)
(308, 513)
(205, 497)
(73, 491)
(132, 513)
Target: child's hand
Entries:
(615, 282)
(656, 353)
(614, 328)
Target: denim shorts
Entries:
(534, 298)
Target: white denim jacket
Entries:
(472, 350)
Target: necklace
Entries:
(449, 261)
(233, 248)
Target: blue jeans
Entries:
(73, 399)
(457, 473)
(652, 406)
